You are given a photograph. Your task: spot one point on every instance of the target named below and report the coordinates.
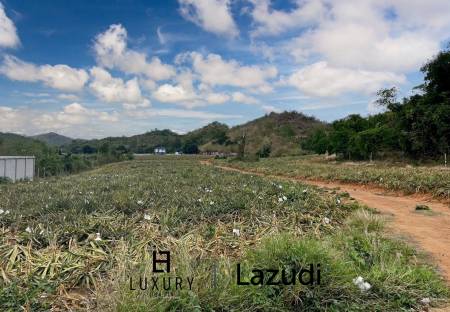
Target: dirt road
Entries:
(428, 230)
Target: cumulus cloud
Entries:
(213, 70)
(217, 98)
(68, 120)
(211, 15)
(375, 35)
(60, 77)
(8, 32)
(272, 22)
(243, 98)
(168, 93)
(116, 90)
(321, 79)
(112, 52)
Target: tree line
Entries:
(416, 127)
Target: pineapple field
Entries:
(88, 242)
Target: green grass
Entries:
(50, 258)
(429, 180)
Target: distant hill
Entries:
(17, 145)
(279, 133)
(53, 138)
(141, 143)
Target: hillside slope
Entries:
(274, 134)
(53, 138)
(141, 143)
(17, 145)
(279, 133)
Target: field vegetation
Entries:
(74, 242)
(433, 180)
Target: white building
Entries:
(160, 150)
(17, 167)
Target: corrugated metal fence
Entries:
(17, 167)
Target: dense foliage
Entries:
(417, 127)
(51, 160)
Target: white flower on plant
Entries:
(7, 212)
(147, 217)
(199, 200)
(362, 285)
(326, 220)
(260, 197)
(280, 186)
(28, 229)
(140, 202)
(284, 197)
(97, 237)
(338, 201)
(236, 232)
(1, 211)
(304, 191)
(280, 200)
(211, 203)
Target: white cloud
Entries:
(321, 79)
(60, 77)
(213, 70)
(272, 22)
(211, 15)
(115, 90)
(8, 32)
(270, 109)
(217, 98)
(68, 120)
(161, 37)
(376, 35)
(112, 52)
(68, 97)
(180, 113)
(183, 93)
(168, 93)
(243, 98)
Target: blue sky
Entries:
(99, 68)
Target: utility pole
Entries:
(241, 150)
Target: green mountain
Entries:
(17, 145)
(141, 144)
(53, 138)
(275, 134)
